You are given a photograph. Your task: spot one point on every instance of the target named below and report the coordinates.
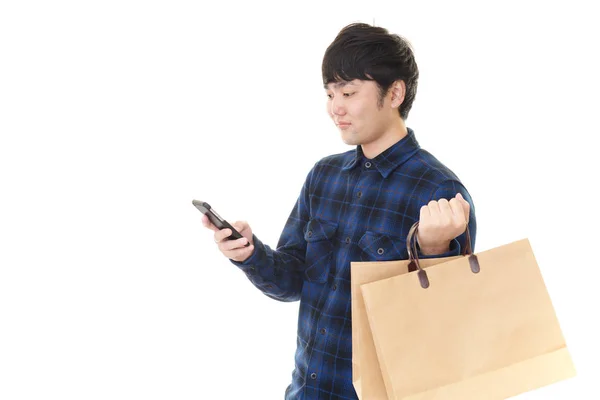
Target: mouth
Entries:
(343, 125)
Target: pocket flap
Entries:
(381, 246)
(317, 229)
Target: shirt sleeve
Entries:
(448, 190)
(279, 272)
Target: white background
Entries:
(114, 115)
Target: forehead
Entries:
(341, 84)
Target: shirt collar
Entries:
(391, 158)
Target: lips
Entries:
(342, 124)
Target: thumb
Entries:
(244, 229)
(240, 225)
(465, 204)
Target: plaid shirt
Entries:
(350, 209)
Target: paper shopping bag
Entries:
(366, 374)
(477, 327)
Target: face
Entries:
(356, 110)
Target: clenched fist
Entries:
(440, 222)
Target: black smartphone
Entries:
(216, 219)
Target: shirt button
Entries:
(368, 164)
(359, 195)
(323, 331)
(252, 269)
(334, 287)
(380, 251)
(309, 233)
(313, 376)
(348, 240)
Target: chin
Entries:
(350, 142)
(350, 139)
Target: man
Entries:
(355, 206)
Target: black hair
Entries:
(365, 52)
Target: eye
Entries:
(348, 94)
(329, 96)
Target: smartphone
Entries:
(216, 219)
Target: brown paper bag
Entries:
(366, 374)
(477, 327)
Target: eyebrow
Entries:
(338, 84)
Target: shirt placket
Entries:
(322, 333)
(319, 346)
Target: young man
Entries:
(355, 206)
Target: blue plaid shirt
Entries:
(350, 209)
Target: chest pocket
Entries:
(381, 247)
(319, 236)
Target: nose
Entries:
(336, 106)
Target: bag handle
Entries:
(413, 255)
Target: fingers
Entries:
(445, 212)
(239, 254)
(207, 224)
(438, 213)
(242, 227)
(441, 221)
(458, 213)
(228, 245)
(434, 209)
(442, 208)
(425, 213)
(235, 250)
(222, 234)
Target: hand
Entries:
(232, 249)
(440, 222)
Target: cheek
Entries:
(328, 109)
(356, 110)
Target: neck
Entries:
(393, 134)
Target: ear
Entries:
(398, 92)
